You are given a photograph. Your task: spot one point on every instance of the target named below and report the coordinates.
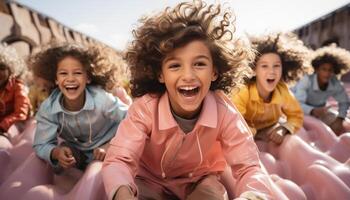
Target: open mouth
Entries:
(71, 87)
(188, 91)
(270, 80)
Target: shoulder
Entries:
(225, 106)
(48, 104)
(149, 101)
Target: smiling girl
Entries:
(182, 130)
(79, 110)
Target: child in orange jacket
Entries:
(14, 102)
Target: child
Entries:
(314, 90)
(14, 102)
(176, 130)
(266, 103)
(79, 110)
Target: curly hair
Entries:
(172, 28)
(10, 59)
(103, 65)
(338, 57)
(295, 56)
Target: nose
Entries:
(188, 73)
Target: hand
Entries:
(319, 112)
(337, 126)
(64, 156)
(277, 134)
(99, 154)
(124, 193)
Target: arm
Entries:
(21, 107)
(300, 92)
(342, 99)
(240, 100)
(293, 112)
(125, 150)
(241, 155)
(45, 139)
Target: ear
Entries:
(56, 82)
(88, 81)
(161, 78)
(214, 75)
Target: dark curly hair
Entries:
(338, 57)
(295, 56)
(103, 65)
(162, 33)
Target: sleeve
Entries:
(293, 112)
(114, 109)
(300, 92)
(21, 107)
(242, 156)
(240, 100)
(45, 138)
(342, 99)
(126, 148)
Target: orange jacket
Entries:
(14, 103)
(149, 143)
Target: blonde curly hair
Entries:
(338, 57)
(172, 28)
(295, 56)
(103, 65)
(9, 58)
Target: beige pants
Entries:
(207, 188)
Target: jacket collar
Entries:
(316, 87)
(207, 117)
(57, 107)
(276, 95)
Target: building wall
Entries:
(25, 29)
(333, 27)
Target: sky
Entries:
(112, 21)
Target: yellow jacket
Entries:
(259, 114)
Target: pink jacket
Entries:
(150, 144)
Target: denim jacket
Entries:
(310, 96)
(92, 126)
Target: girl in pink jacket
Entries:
(181, 130)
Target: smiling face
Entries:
(268, 72)
(71, 78)
(187, 73)
(324, 73)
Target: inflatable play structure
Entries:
(313, 164)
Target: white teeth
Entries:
(188, 87)
(71, 86)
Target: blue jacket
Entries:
(95, 124)
(310, 96)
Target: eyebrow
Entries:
(175, 58)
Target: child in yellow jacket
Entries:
(266, 103)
